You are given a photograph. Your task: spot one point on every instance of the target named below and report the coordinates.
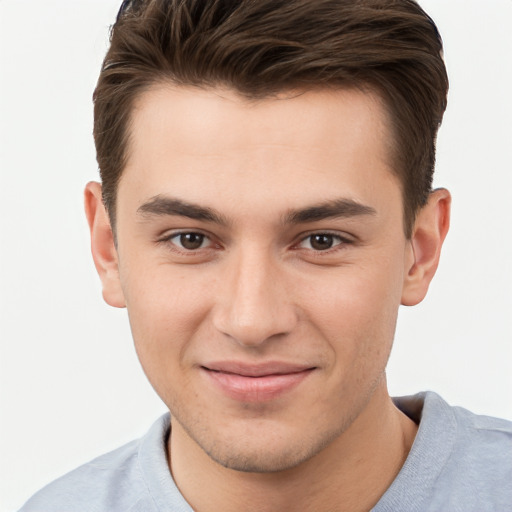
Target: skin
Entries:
(258, 287)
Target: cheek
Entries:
(165, 311)
(162, 297)
(356, 310)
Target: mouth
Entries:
(255, 383)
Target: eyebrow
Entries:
(163, 205)
(328, 210)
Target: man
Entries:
(265, 207)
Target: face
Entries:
(262, 259)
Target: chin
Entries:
(263, 461)
(268, 452)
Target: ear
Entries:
(429, 232)
(103, 248)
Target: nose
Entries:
(254, 304)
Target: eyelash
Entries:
(339, 242)
(168, 239)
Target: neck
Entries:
(348, 475)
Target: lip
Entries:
(255, 382)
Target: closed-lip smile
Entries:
(255, 382)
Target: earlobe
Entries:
(430, 229)
(103, 248)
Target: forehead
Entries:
(311, 115)
(298, 146)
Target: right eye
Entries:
(190, 241)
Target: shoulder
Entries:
(112, 482)
(473, 439)
(97, 485)
(459, 460)
(482, 453)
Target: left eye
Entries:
(321, 242)
(190, 241)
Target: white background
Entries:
(70, 384)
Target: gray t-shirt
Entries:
(459, 462)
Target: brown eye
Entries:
(191, 241)
(321, 242)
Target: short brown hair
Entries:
(262, 47)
